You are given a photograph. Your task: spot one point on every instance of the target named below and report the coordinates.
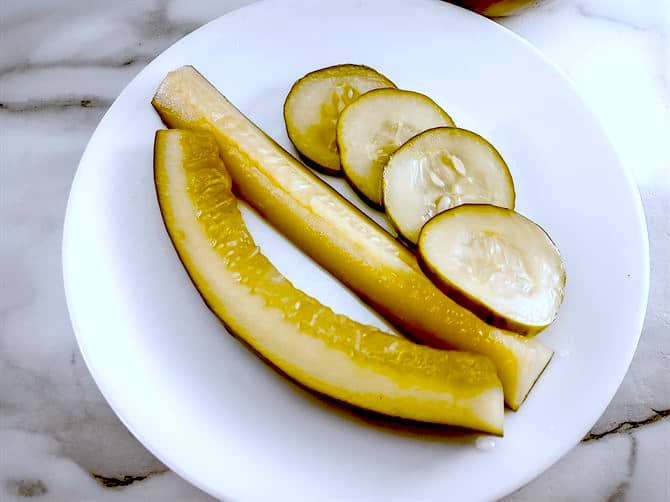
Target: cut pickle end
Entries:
(341, 238)
(497, 263)
(306, 340)
(439, 169)
(374, 126)
(313, 106)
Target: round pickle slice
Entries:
(374, 126)
(313, 106)
(439, 169)
(497, 263)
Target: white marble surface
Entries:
(62, 62)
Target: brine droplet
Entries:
(485, 443)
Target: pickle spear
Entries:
(313, 106)
(341, 238)
(313, 345)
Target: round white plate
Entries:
(220, 417)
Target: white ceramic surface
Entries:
(222, 419)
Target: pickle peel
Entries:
(321, 350)
(341, 238)
(313, 105)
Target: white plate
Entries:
(217, 415)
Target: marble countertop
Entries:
(62, 64)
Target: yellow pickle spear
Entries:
(324, 351)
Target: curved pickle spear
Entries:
(341, 238)
(318, 348)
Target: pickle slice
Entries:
(497, 263)
(373, 127)
(340, 238)
(439, 169)
(313, 106)
(318, 348)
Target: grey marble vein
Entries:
(587, 10)
(629, 425)
(55, 104)
(130, 31)
(621, 491)
(115, 62)
(125, 480)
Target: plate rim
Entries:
(503, 489)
